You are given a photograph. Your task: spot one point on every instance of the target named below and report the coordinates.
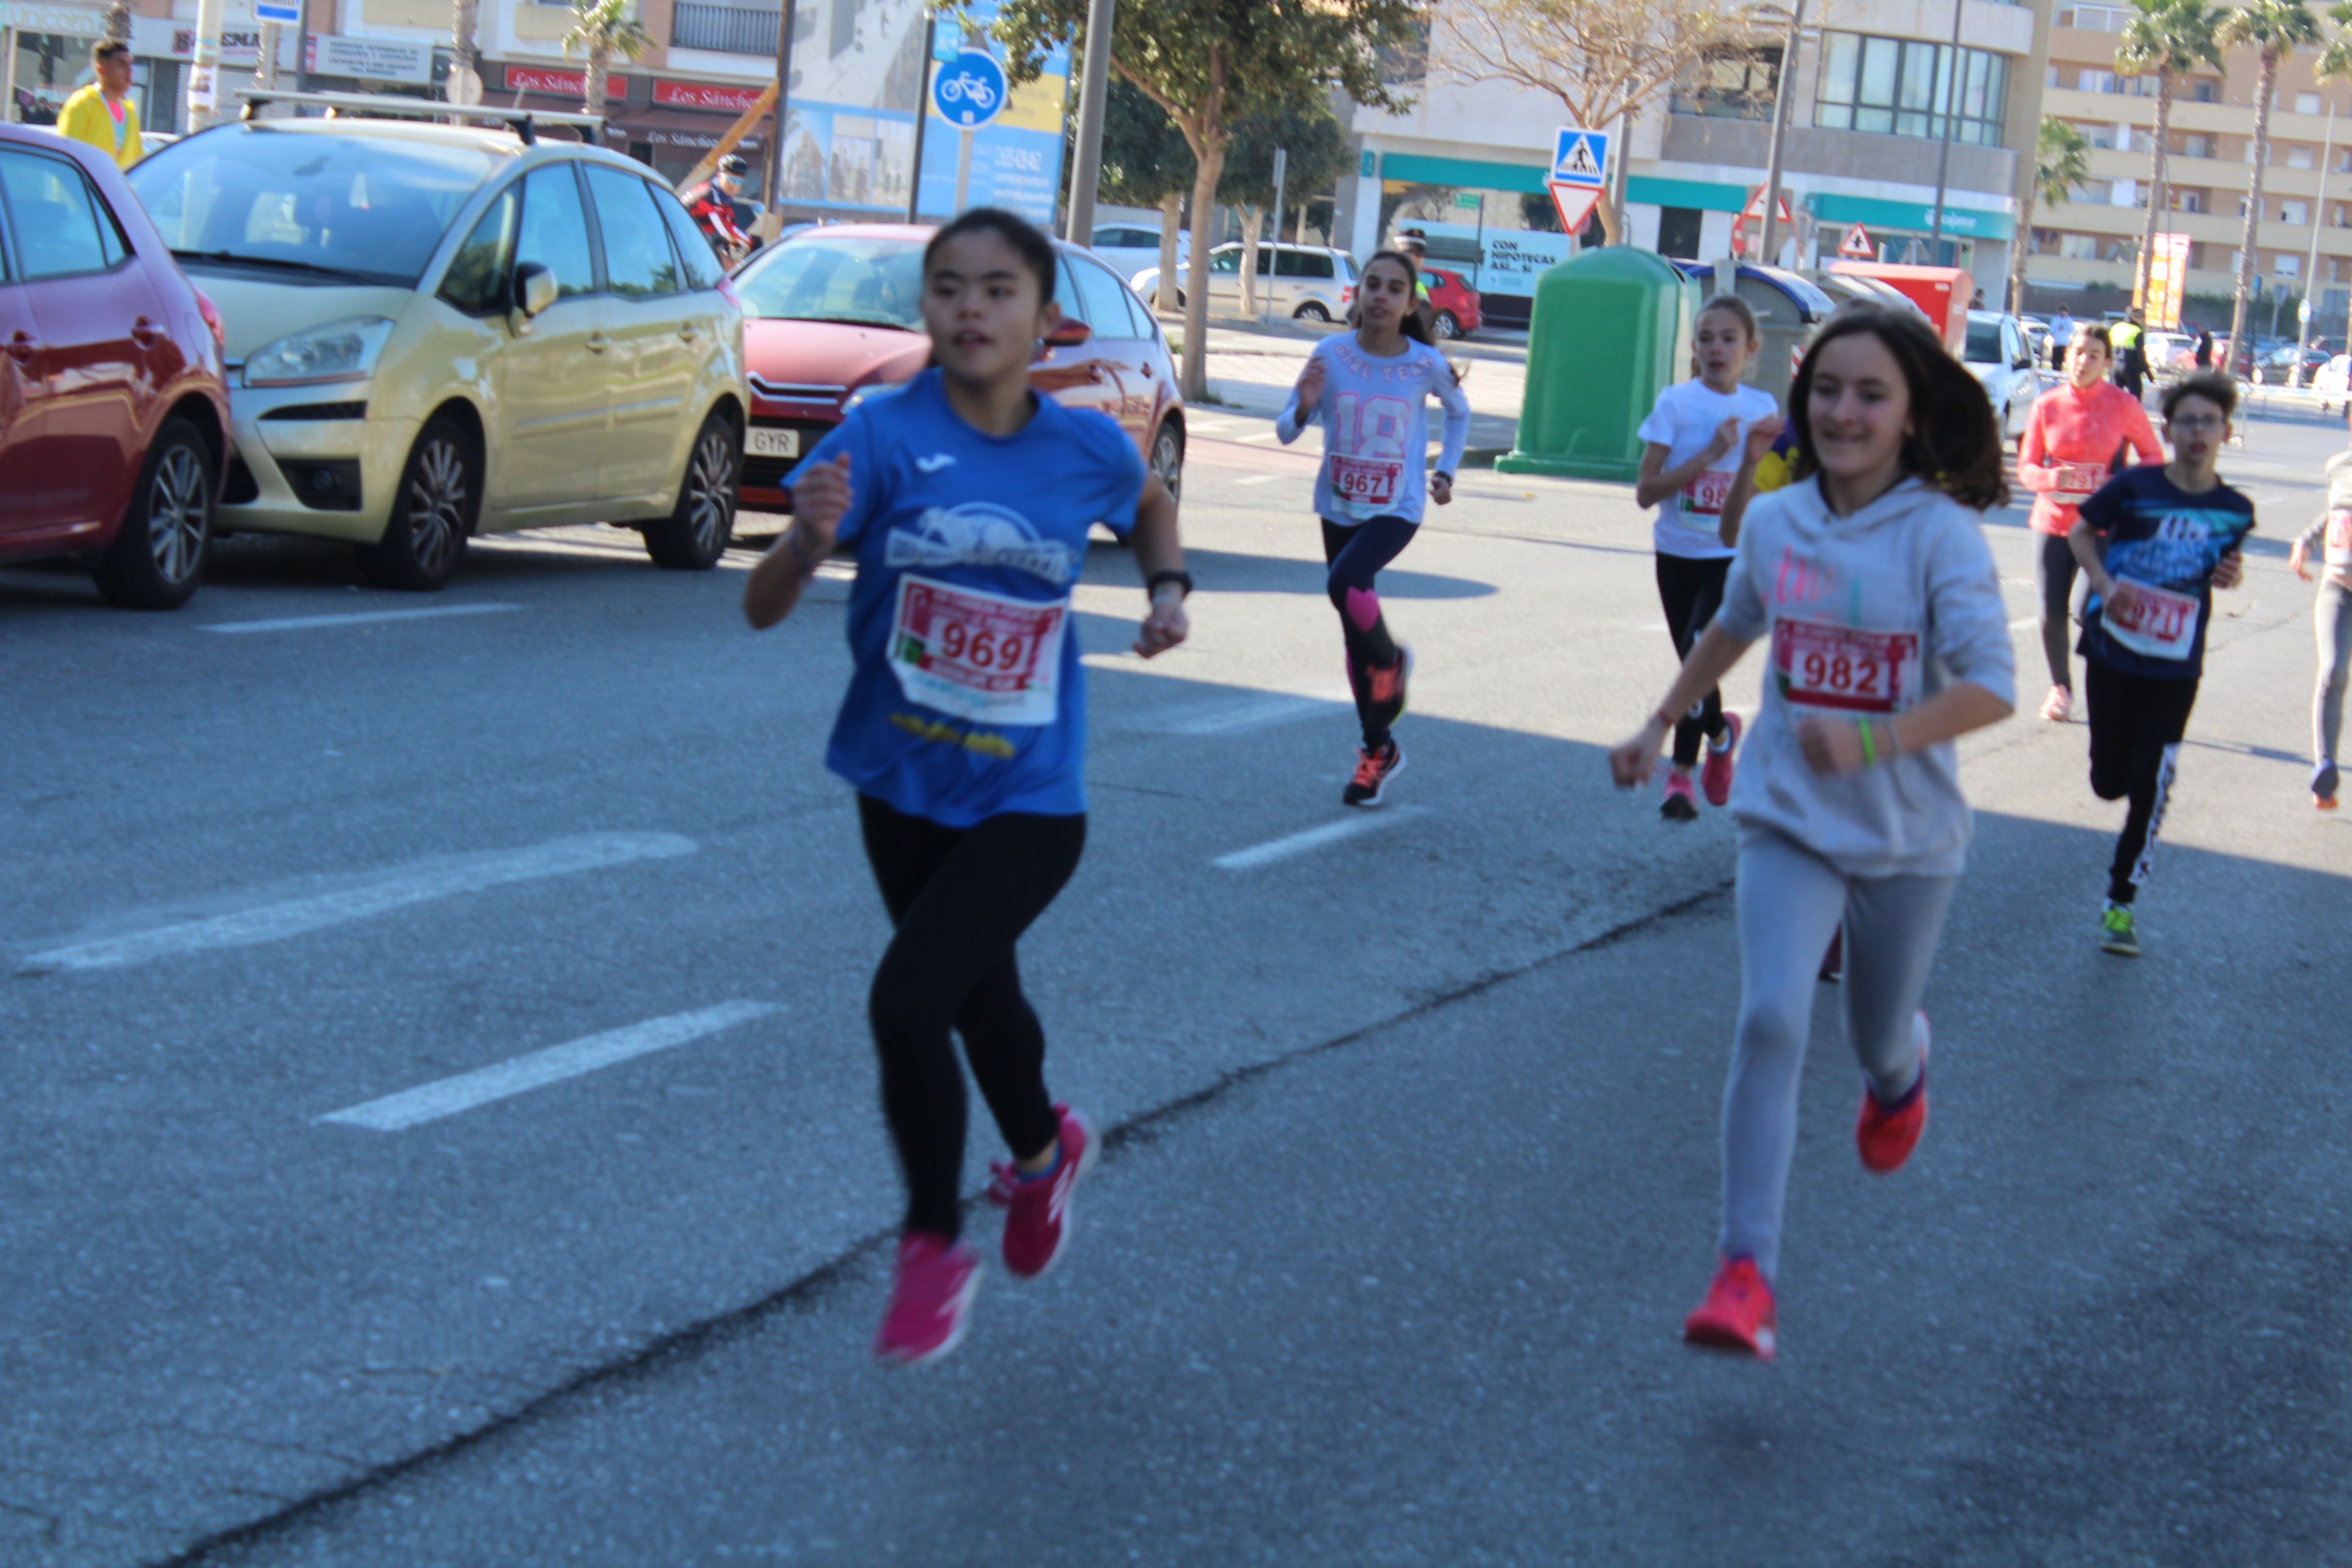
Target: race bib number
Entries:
(1820, 666)
(2079, 482)
(1365, 484)
(2158, 622)
(2339, 539)
(1705, 496)
(979, 656)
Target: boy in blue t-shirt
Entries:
(2154, 542)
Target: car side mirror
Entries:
(1068, 333)
(534, 288)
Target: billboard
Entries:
(859, 69)
(2167, 281)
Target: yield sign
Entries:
(1857, 244)
(1574, 204)
(1754, 211)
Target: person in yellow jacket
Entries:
(102, 113)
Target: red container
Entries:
(1942, 291)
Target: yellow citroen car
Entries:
(437, 329)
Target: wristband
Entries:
(1869, 751)
(1182, 579)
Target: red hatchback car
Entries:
(111, 400)
(833, 314)
(1455, 302)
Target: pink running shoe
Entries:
(1680, 803)
(1038, 1217)
(1885, 1134)
(1715, 773)
(936, 1281)
(1737, 1314)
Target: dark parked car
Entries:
(833, 315)
(112, 408)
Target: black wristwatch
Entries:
(1180, 578)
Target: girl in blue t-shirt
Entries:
(967, 498)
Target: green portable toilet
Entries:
(1612, 329)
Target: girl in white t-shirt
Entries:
(1695, 436)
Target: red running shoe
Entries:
(1373, 771)
(1887, 1133)
(936, 1281)
(1714, 774)
(1038, 1217)
(1737, 1312)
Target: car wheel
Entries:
(1447, 327)
(433, 512)
(158, 555)
(1167, 458)
(1312, 310)
(696, 533)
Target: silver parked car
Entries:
(1997, 356)
(1308, 282)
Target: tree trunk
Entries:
(1253, 225)
(1612, 205)
(1210, 157)
(2023, 244)
(2264, 86)
(462, 27)
(599, 63)
(1171, 213)
(117, 22)
(2155, 184)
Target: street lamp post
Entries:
(1768, 249)
(1094, 92)
(784, 103)
(2311, 268)
(1943, 153)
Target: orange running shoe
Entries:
(1737, 1312)
(1887, 1133)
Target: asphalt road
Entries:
(1412, 1166)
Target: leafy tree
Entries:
(2062, 160)
(1207, 63)
(601, 29)
(2273, 29)
(1320, 153)
(2168, 39)
(1602, 59)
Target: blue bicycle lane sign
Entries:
(969, 90)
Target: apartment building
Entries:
(1869, 81)
(2083, 248)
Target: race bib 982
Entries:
(979, 656)
(1820, 666)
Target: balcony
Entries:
(724, 29)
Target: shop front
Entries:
(48, 55)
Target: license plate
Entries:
(772, 443)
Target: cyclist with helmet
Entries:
(711, 204)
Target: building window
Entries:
(2294, 212)
(1731, 84)
(2094, 18)
(2204, 89)
(2306, 103)
(2285, 264)
(2090, 81)
(2189, 201)
(2196, 145)
(2301, 157)
(1898, 87)
(2079, 247)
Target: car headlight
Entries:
(332, 351)
(871, 389)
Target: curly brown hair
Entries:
(1954, 443)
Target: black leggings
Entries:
(1356, 552)
(2053, 574)
(960, 899)
(1692, 591)
(2136, 723)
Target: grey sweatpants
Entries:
(1790, 902)
(2333, 616)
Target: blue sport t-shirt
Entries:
(969, 700)
(2165, 543)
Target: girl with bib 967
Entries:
(1871, 577)
(1369, 390)
(967, 498)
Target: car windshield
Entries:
(825, 278)
(1984, 343)
(368, 208)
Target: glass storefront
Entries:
(48, 68)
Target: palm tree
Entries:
(463, 53)
(2272, 28)
(2062, 160)
(2168, 39)
(601, 29)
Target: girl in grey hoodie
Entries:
(1888, 640)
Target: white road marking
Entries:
(1262, 435)
(1207, 426)
(1261, 479)
(1265, 854)
(1227, 715)
(358, 618)
(537, 1069)
(418, 884)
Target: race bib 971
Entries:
(979, 656)
(1821, 666)
(2157, 624)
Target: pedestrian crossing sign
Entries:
(1580, 157)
